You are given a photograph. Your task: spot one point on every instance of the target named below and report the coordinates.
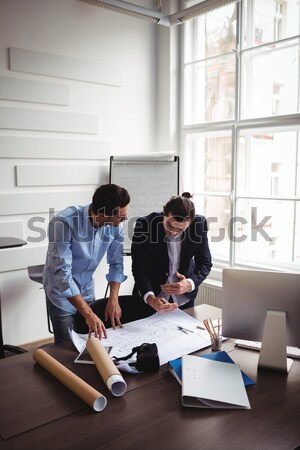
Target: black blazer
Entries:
(150, 260)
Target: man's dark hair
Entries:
(181, 207)
(108, 198)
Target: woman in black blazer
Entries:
(170, 256)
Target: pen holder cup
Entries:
(216, 343)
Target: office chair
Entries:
(35, 273)
(132, 309)
(6, 349)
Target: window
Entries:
(277, 88)
(278, 21)
(241, 130)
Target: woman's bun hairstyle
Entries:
(181, 207)
(186, 195)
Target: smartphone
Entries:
(85, 358)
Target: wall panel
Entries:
(58, 175)
(42, 120)
(12, 228)
(21, 90)
(40, 202)
(21, 257)
(35, 147)
(63, 67)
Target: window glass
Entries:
(207, 162)
(265, 232)
(209, 90)
(210, 34)
(267, 88)
(217, 212)
(267, 163)
(207, 171)
(210, 66)
(267, 21)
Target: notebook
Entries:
(175, 365)
(212, 384)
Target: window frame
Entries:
(288, 122)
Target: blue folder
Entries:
(175, 365)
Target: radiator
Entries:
(209, 294)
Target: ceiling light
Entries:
(196, 10)
(131, 9)
(155, 15)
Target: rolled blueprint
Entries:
(82, 389)
(106, 367)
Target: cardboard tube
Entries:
(106, 367)
(82, 389)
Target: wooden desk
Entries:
(148, 416)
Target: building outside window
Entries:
(241, 128)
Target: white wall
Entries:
(77, 84)
(168, 121)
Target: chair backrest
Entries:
(132, 309)
(35, 273)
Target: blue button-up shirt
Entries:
(74, 252)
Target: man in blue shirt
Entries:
(79, 237)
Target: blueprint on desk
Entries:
(175, 334)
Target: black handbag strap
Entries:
(123, 358)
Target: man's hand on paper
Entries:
(95, 325)
(92, 320)
(160, 304)
(113, 312)
(181, 287)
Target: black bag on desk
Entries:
(147, 359)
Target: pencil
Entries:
(207, 326)
(213, 328)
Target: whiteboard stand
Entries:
(150, 179)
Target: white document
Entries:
(212, 384)
(163, 329)
(79, 340)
